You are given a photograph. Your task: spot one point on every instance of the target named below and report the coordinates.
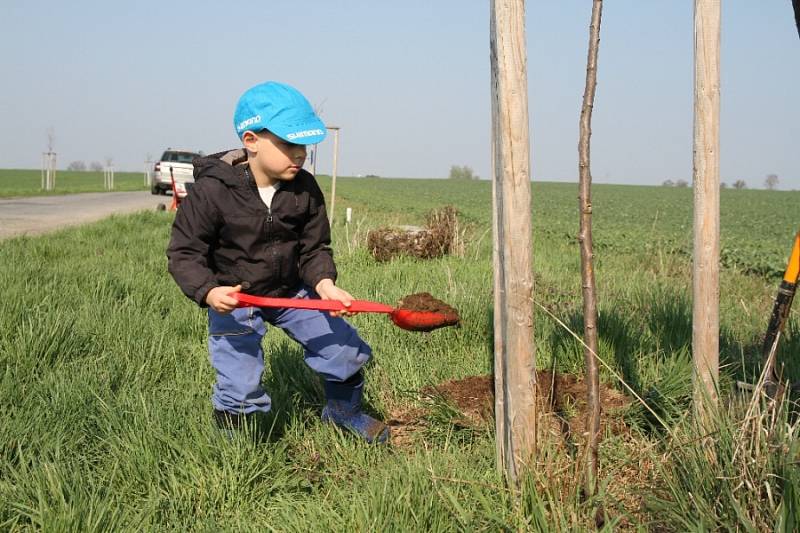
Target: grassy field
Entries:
(16, 182)
(105, 380)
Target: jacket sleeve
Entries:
(194, 232)
(316, 257)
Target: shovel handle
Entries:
(357, 306)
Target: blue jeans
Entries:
(332, 348)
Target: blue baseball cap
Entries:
(281, 109)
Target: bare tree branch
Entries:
(587, 256)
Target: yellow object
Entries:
(793, 270)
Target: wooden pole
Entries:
(587, 257)
(333, 173)
(314, 159)
(705, 312)
(515, 356)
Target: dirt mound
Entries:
(468, 404)
(561, 395)
(473, 396)
(440, 236)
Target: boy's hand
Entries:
(220, 300)
(328, 291)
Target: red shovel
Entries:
(409, 319)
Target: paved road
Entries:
(40, 214)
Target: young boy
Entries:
(256, 221)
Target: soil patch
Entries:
(563, 396)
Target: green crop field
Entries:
(15, 182)
(105, 380)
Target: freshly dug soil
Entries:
(562, 400)
(423, 301)
(561, 395)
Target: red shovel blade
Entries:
(422, 320)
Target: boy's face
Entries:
(277, 158)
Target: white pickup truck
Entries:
(180, 161)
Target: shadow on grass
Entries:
(648, 341)
(296, 391)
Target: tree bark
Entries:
(587, 257)
(515, 355)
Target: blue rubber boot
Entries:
(343, 408)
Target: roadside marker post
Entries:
(48, 170)
(108, 178)
(333, 173)
(147, 166)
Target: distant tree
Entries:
(96, 166)
(682, 183)
(739, 184)
(109, 162)
(51, 139)
(462, 173)
(667, 183)
(771, 181)
(76, 165)
(723, 185)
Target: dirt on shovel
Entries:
(426, 313)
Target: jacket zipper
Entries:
(272, 244)
(269, 231)
(271, 241)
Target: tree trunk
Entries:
(587, 257)
(515, 355)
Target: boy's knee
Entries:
(340, 360)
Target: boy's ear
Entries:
(250, 141)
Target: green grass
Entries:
(105, 379)
(15, 182)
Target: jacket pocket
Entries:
(227, 272)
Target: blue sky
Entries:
(408, 82)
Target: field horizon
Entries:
(15, 182)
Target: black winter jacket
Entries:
(223, 233)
